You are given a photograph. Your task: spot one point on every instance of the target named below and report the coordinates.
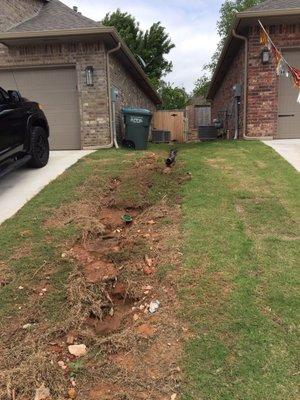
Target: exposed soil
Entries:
(132, 354)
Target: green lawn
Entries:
(238, 285)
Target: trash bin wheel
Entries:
(129, 144)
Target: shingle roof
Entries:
(276, 5)
(54, 15)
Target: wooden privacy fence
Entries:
(174, 121)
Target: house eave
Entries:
(108, 34)
(269, 13)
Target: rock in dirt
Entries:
(136, 317)
(149, 261)
(77, 350)
(62, 365)
(42, 393)
(154, 306)
(174, 396)
(72, 393)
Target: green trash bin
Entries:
(137, 127)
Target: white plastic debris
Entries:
(78, 350)
(154, 306)
(27, 326)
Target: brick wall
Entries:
(262, 103)
(263, 81)
(130, 94)
(12, 12)
(222, 104)
(93, 100)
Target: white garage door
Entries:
(289, 109)
(56, 91)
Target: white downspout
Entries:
(111, 128)
(245, 40)
(111, 107)
(114, 124)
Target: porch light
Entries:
(265, 56)
(89, 76)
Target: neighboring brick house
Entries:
(268, 107)
(60, 58)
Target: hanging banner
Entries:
(296, 78)
(282, 66)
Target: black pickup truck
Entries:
(24, 133)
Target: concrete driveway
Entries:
(20, 186)
(288, 149)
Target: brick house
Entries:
(70, 64)
(267, 106)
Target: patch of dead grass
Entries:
(135, 354)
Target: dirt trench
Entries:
(120, 270)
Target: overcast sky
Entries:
(190, 23)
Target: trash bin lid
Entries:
(136, 111)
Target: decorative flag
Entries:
(278, 58)
(282, 66)
(264, 39)
(296, 78)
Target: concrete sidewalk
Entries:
(288, 149)
(23, 184)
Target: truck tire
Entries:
(39, 148)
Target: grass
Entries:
(239, 289)
(238, 286)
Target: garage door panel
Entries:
(56, 91)
(289, 109)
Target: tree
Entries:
(149, 47)
(155, 44)
(173, 97)
(127, 26)
(201, 86)
(228, 11)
